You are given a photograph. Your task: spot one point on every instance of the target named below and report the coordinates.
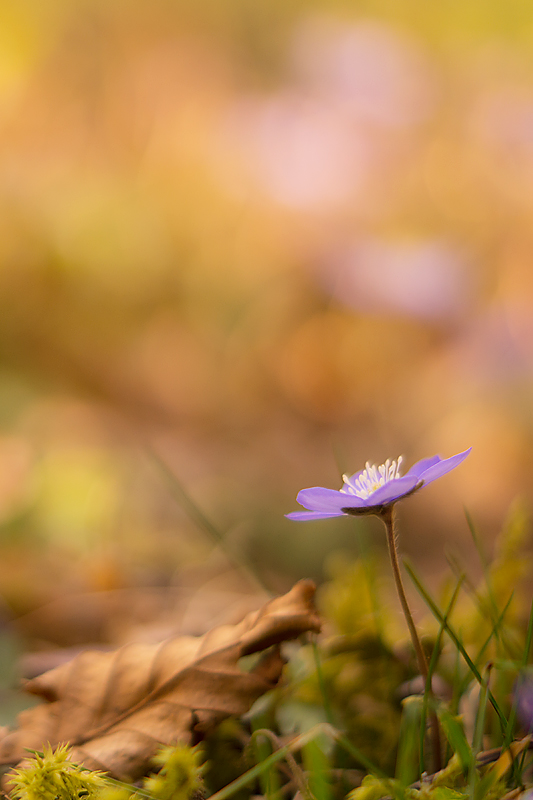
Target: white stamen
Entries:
(372, 478)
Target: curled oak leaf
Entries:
(116, 709)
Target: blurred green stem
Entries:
(387, 515)
(196, 514)
(321, 681)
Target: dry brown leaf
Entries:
(117, 708)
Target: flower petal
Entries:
(423, 465)
(442, 467)
(305, 516)
(320, 499)
(392, 490)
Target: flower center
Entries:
(372, 478)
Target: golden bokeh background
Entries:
(265, 242)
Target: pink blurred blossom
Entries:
(366, 68)
(305, 154)
(327, 135)
(427, 279)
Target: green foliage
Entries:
(50, 775)
(454, 731)
(361, 671)
(360, 679)
(225, 758)
(338, 727)
(451, 783)
(180, 774)
(372, 788)
(117, 793)
(317, 766)
(351, 598)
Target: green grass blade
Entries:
(477, 541)
(294, 745)
(479, 729)
(128, 787)
(487, 609)
(485, 566)
(317, 766)
(493, 604)
(185, 501)
(481, 652)
(529, 638)
(407, 762)
(453, 728)
(432, 666)
(525, 660)
(455, 639)
(359, 756)
(260, 769)
(509, 733)
(269, 780)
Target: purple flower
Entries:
(372, 489)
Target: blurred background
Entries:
(245, 247)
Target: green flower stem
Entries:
(387, 516)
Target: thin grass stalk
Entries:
(389, 520)
(485, 565)
(431, 668)
(487, 610)
(296, 744)
(509, 735)
(185, 501)
(493, 605)
(133, 790)
(490, 637)
(477, 743)
(457, 642)
(318, 771)
(295, 769)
